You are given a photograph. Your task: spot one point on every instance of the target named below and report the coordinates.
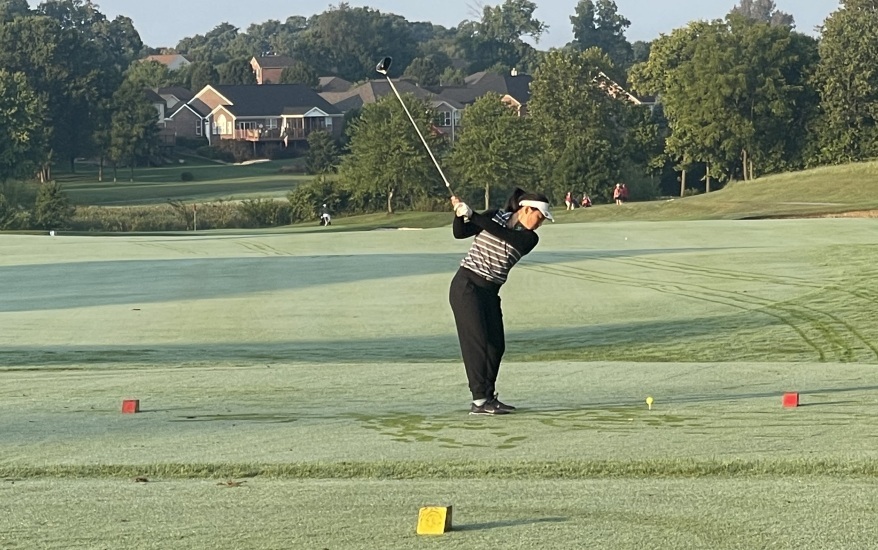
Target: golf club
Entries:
(383, 67)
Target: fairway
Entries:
(319, 372)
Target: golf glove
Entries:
(462, 210)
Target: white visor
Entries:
(543, 207)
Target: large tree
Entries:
(300, 73)
(599, 24)
(236, 71)
(496, 41)
(735, 92)
(494, 151)
(578, 122)
(387, 162)
(74, 58)
(10, 9)
(349, 42)
(214, 47)
(22, 128)
(848, 83)
(423, 70)
(764, 11)
(134, 132)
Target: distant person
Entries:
(617, 193)
(586, 200)
(568, 200)
(624, 193)
(325, 218)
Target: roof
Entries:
(333, 84)
(196, 106)
(272, 99)
(179, 92)
(274, 61)
(478, 84)
(373, 90)
(614, 90)
(153, 97)
(167, 59)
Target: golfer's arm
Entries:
(463, 229)
(522, 240)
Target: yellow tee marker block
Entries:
(434, 520)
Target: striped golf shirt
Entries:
(496, 247)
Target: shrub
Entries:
(306, 200)
(162, 217)
(52, 209)
(187, 176)
(265, 212)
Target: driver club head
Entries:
(384, 65)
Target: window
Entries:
(198, 127)
(445, 118)
(272, 124)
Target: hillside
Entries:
(831, 190)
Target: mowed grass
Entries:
(212, 181)
(321, 370)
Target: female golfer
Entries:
(502, 237)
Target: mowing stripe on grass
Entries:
(523, 469)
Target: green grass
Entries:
(546, 514)
(212, 182)
(320, 367)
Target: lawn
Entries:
(302, 389)
(212, 181)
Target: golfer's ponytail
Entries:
(512, 203)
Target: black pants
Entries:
(476, 306)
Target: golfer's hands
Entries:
(461, 209)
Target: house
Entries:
(190, 120)
(449, 111)
(614, 90)
(513, 88)
(268, 68)
(166, 137)
(260, 114)
(333, 84)
(171, 61)
(174, 96)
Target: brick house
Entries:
(268, 68)
(277, 113)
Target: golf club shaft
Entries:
(420, 135)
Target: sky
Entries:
(163, 23)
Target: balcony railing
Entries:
(258, 134)
(271, 134)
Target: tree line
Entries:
(737, 97)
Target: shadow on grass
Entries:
(507, 523)
(550, 344)
(88, 284)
